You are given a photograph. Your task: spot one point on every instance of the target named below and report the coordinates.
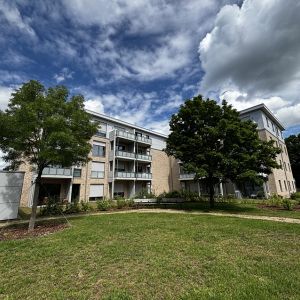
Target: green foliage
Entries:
(274, 200)
(215, 144)
(103, 205)
(293, 148)
(51, 208)
(72, 208)
(295, 196)
(122, 203)
(287, 204)
(144, 194)
(172, 194)
(190, 196)
(85, 206)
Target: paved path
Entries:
(158, 210)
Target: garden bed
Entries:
(20, 231)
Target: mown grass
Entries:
(155, 256)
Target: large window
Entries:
(97, 170)
(280, 185)
(96, 192)
(98, 149)
(77, 173)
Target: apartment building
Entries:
(280, 181)
(127, 159)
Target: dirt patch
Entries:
(20, 231)
(273, 207)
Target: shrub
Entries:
(72, 208)
(287, 204)
(121, 203)
(51, 208)
(295, 196)
(144, 194)
(85, 206)
(173, 194)
(190, 196)
(103, 205)
(274, 200)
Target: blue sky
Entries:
(139, 60)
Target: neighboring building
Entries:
(127, 159)
(280, 182)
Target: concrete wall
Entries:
(11, 184)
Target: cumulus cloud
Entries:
(253, 52)
(5, 93)
(63, 75)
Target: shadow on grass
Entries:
(219, 207)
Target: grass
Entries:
(155, 256)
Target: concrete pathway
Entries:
(158, 210)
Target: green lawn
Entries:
(155, 256)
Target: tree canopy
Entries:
(43, 127)
(214, 143)
(293, 148)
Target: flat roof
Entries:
(115, 120)
(265, 109)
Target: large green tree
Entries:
(293, 148)
(43, 127)
(214, 143)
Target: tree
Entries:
(214, 143)
(293, 148)
(44, 127)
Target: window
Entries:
(102, 129)
(285, 185)
(120, 166)
(98, 149)
(121, 147)
(267, 122)
(280, 185)
(280, 163)
(96, 192)
(277, 131)
(284, 166)
(272, 126)
(289, 185)
(97, 170)
(77, 173)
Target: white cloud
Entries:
(252, 55)
(63, 75)
(95, 105)
(5, 93)
(13, 17)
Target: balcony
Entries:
(144, 157)
(130, 175)
(142, 176)
(56, 172)
(143, 140)
(187, 176)
(121, 134)
(125, 154)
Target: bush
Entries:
(103, 205)
(72, 208)
(295, 196)
(173, 194)
(85, 206)
(287, 204)
(274, 200)
(143, 194)
(190, 196)
(121, 203)
(52, 207)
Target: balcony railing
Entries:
(187, 176)
(54, 171)
(144, 157)
(143, 139)
(143, 175)
(100, 133)
(125, 154)
(130, 175)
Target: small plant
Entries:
(287, 204)
(72, 208)
(121, 203)
(274, 200)
(103, 205)
(295, 196)
(51, 208)
(85, 206)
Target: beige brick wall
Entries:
(26, 190)
(285, 175)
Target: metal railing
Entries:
(144, 157)
(143, 139)
(143, 175)
(121, 174)
(54, 171)
(97, 174)
(187, 176)
(125, 154)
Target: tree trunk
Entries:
(35, 202)
(211, 195)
